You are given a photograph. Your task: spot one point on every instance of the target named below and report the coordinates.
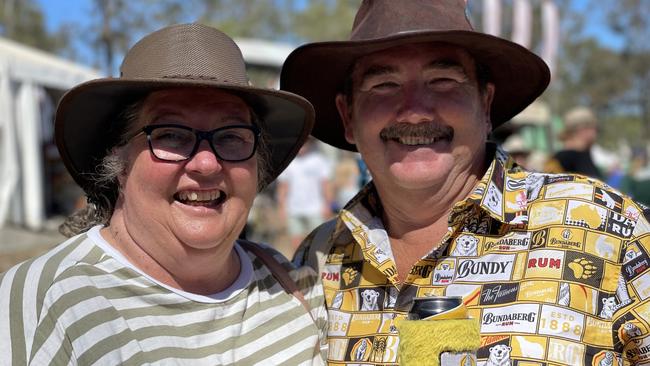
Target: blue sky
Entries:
(58, 12)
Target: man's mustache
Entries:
(424, 129)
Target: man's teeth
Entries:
(411, 140)
(196, 196)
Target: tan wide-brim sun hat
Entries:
(575, 119)
(179, 56)
(317, 71)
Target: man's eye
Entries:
(385, 85)
(443, 82)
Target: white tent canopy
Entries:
(24, 73)
(264, 53)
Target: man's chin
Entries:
(419, 176)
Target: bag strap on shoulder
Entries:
(279, 272)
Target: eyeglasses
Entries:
(171, 142)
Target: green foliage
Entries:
(23, 21)
(288, 20)
(246, 18)
(630, 20)
(116, 24)
(325, 20)
(621, 127)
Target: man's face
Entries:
(588, 134)
(417, 115)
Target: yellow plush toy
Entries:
(422, 341)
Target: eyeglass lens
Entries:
(175, 143)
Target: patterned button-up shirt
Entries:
(555, 267)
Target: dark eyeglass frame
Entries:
(200, 136)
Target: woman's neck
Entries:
(203, 272)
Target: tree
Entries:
(285, 20)
(23, 21)
(629, 19)
(325, 20)
(116, 24)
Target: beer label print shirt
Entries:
(555, 267)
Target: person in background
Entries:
(578, 136)
(170, 155)
(637, 180)
(516, 147)
(555, 268)
(346, 180)
(304, 192)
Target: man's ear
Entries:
(486, 99)
(345, 113)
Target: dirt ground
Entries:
(18, 244)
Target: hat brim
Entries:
(317, 71)
(85, 133)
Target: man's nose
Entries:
(416, 105)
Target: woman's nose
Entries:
(204, 160)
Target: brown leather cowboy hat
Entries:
(185, 55)
(317, 71)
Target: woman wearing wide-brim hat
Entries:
(170, 155)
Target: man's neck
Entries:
(406, 212)
(416, 221)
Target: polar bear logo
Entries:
(493, 199)
(631, 330)
(631, 254)
(499, 356)
(534, 183)
(605, 247)
(608, 200)
(466, 245)
(609, 306)
(608, 360)
(369, 300)
(530, 349)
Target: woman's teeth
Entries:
(199, 197)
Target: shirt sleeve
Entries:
(313, 250)
(30, 332)
(631, 320)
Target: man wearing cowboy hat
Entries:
(578, 136)
(538, 259)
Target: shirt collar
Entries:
(501, 193)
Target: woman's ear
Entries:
(118, 164)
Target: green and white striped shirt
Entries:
(84, 303)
